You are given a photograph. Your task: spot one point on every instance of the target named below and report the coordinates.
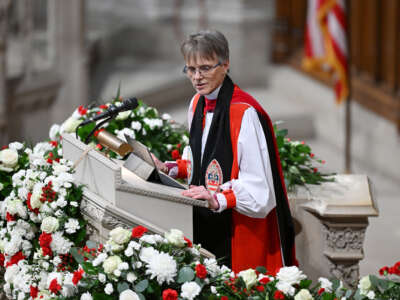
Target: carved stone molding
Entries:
(344, 238)
(93, 211)
(349, 273)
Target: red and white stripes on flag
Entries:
(325, 42)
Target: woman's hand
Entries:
(200, 192)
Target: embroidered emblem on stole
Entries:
(214, 177)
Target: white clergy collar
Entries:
(214, 94)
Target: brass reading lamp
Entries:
(113, 143)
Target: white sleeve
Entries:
(254, 189)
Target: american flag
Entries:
(326, 43)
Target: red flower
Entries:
(15, 259)
(34, 292)
(54, 143)
(302, 142)
(322, 161)
(54, 287)
(28, 203)
(278, 295)
(99, 146)
(224, 298)
(175, 154)
(169, 294)
(188, 242)
(96, 133)
(312, 155)
(315, 170)
(265, 280)
(320, 291)
(178, 146)
(82, 111)
(201, 271)
(138, 231)
(260, 288)
(384, 270)
(77, 276)
(4, 147)
(10, 217)
(50, 161)
(103, 106)
(2, 258)
(44, 242)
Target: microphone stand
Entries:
(95, 128)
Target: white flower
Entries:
(123, 266)
(126, 131)
(148, 238)
(175, 237)
(364, 285)
(249, 277)
(59, 168)
(325, 284)
(16, 146)
(286, 288)
(117, 273)
(163, 267)
(303, 295)
(190, 290)
(74, 203)
(59, 244)
(72, 226)
(54, 130)
(147, 253)
(49, 225)
(111, 264)
(120, 235)
(99, 259)
(212, 266)
(128, 252)
(123, 115)
(9, 158)
(371, 295)
(128, 295)
(102, 278)
(153, 123)
(86, 296)
(291, 275)
(131, 277)
(166, 117)
(13, 246)
(109, 289)
(135, 125)
(70, 125)
(10, 273)
(52, 276)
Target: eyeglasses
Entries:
(203, 70)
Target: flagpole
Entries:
(348, 131)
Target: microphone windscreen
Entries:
(130, 103)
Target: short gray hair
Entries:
(207, 44)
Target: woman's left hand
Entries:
(200, 192)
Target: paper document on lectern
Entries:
(142, 164)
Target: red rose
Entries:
(138, 231)
(10, 217)
(320, 291)
(54, 287)
(278, 295)
(15, 259)
(82, 111)
(265, 280)
(311, 155)
(175, 154)
(201, 271)
(169, 294)
(260, 288)
(54, 143)
(224, 298)
(2, 258)
(188, 242)
(77, 276)
(383, 270)
(315, 170)
(34, 292)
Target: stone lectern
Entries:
(115, 196)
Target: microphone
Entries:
(113, 110)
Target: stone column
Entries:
(4, 4)
(68, 51)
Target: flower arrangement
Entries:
(165, 138)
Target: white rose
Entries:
(303, 295)
(109, 289)
(131, 277)
(120, 235)
(291, 275)
(102, 277)
(128, 252)
(371, 295)
(54, 130)
(123, 115)
(249, 276)
(166, 117)
(9, 158)
(49, 225)
(117, 273)
(364, 285)
(35, 200)
(286, 288)
(135, 125)
(128, 295)
(190, 290)
(16, 146)
(10, 273)
(325, 284)
(175, 237)
(111, 264)
(99, 259)
(86, 296)
(70, 125)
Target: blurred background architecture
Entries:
(56, 55)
